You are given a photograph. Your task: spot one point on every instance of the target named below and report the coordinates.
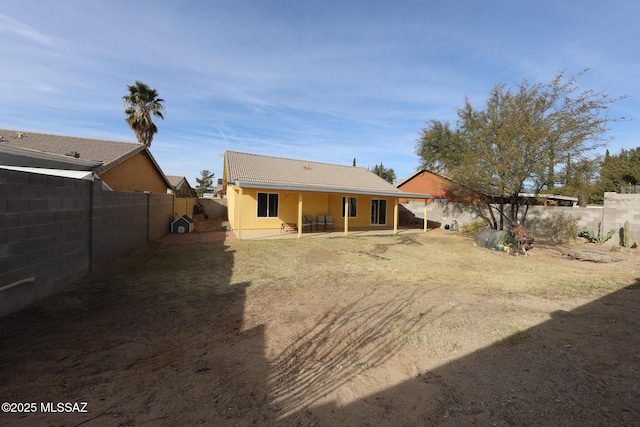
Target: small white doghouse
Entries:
(182, 225)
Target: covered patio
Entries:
(275, 234)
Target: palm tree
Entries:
(142, 102)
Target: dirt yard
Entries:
(411, 330)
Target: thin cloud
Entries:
(12, 27)
(322, 81)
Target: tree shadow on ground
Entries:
(578, 368)
(344, 343)
(145, 343)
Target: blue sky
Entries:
(316, 80)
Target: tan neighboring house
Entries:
(270, 193)
(122, 166)
(180, 186)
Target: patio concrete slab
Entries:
(277, 234)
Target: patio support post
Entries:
(346, 215)
(395, 216)
(299, 215)
(425, 214)
(239, 213)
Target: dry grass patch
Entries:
(421, 328)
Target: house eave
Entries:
(321, 189)
(25, 157)
(64, 173)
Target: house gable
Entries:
(180, 186)
(137, 173)
(428, 182)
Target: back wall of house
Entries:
(137, 173)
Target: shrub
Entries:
(560, 229)
(475, 226)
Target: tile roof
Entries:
(18, 156)
(109, 153)
(258, 171)
(418, 172)
(175, 180)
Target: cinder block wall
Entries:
(53, 230)
(119, 224)
(160, 215)
(617, 209)
(44, 236)
(214, 208)
(184, 206)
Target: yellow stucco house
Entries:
(267, 192)
(122, 166)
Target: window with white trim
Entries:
(353, 207)
(267, 205)
(378, 211)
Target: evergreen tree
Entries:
(620, 170)
(205, 182)
(387, 174)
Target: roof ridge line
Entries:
(26, 134)
(294, 160)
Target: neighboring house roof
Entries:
(258, 171)
(104, 153)
(529, 195)
(549, 197)
(418, 172)
(176, 181)
(180, 186)
(17, 156)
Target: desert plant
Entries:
(596, 238)
(475, 226)
(560, 229)
(626, 234)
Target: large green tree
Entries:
(513, 144)
(141, 103)
(388, 175)
(620, 170)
